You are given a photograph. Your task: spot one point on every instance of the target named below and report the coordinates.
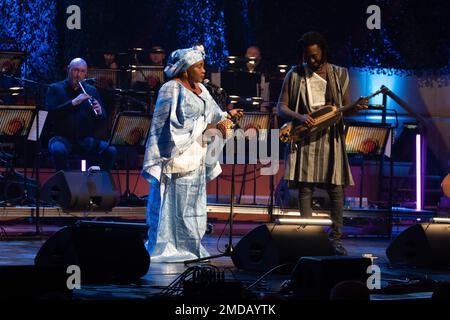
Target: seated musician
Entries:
(6, 82)
(321, 160)
(74, 117)
(257, 65)
(104, 81)
(157, 56)
(109, 60)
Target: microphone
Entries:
(208, 82)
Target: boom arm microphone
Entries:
(90, 80)
(208, 82)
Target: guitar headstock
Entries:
(285, 132)
(384, 89)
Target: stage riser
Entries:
(219, 189)
(356, 222)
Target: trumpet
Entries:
(90, 100)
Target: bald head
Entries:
(77, 62)
(76, 71)
(254, 52)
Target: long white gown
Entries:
(176, 169)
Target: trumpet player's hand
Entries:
(361, 104)
(97, 107)
(306, 119)
(80, 99)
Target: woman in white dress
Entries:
(175, 163)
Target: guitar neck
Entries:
(346, 108)
(354, 104)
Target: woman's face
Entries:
(196, 72)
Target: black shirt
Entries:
(72, 122)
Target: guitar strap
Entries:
(295, 87)
(336, 92)
(332, 85)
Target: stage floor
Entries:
(160, 275)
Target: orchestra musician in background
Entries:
(255, 64)
(6, 82)
(109, 60)
(151, 83)
(157, 56)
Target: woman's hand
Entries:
(235, 113)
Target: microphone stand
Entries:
(37, 165)
(39, 86)
(229, 248)
(128, 198)
(123, 94)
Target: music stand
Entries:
(130, 130)
(139, 79)
(110, 77)
(260, 122)
(10, 63)
(367, 141)
(142, 73)
(241, 83)
(15, 124)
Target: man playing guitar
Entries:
(320, 159)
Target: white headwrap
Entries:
(180, 60)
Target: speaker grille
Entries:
(270, 245)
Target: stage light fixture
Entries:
(231, 59)
(282, 68)
(441, 220)
(234, 99)
(304, 221)
(419, 187)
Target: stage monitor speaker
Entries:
(270, 245)
(29, 282)
(104, 251)
(79, 191)
(422, 245)
(314, 277)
